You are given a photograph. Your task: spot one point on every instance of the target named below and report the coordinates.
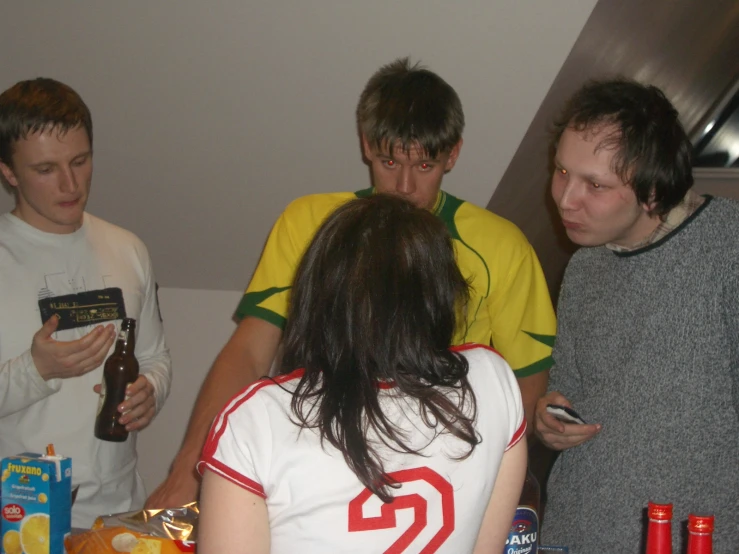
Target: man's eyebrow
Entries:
(425, 159)
(558, 162)
(52, 162)
(594, 177)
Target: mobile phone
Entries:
(565, 414)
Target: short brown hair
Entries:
(407, 106)
(39, 105)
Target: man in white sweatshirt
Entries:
(67, 279)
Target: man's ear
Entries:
(453, 155)
(8, 175)
(650, 205)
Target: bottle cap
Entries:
(700, 523)
(659, 512)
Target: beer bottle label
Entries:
(523, 537)
(101, 401)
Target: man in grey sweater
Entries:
(647, 349)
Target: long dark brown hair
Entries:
(375, 300)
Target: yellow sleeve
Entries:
(268, 294)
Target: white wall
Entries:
(197, 323)
(211, 116)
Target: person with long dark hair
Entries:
(410, 124)
(377, 436)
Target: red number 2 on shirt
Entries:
(386, 520)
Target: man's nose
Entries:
(406, 181)
(567, 197)
(68, 181)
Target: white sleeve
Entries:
(496, 383)
(152, 352)
(239, 444)
(21, 385)
(514, 404)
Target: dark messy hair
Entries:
(409, 106)
(39, 105)
(375, 302)
(653, 152)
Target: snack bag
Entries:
(36, 510)
(170, 531)
(114, 540)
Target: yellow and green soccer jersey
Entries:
(509, 308)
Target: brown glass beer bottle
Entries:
(120, 369)
(700, 534)
(659, 529)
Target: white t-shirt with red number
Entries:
(316, 504)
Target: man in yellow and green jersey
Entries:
(509, 304)
(410, 122)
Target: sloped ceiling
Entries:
(211, 116)
(688, 48)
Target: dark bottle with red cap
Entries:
(659, 528)
(700, 534)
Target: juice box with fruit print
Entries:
(36, 503)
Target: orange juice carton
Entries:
(36, 506)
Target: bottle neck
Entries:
(700, 543)
(126, 342)
(659, 537)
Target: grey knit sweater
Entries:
(648, 346)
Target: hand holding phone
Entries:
(565, 414)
